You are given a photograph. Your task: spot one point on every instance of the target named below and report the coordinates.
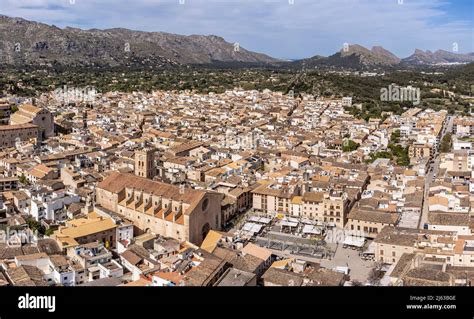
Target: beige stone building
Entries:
(273, 198)
(415, 269)
(326, 207)
(164, 209)
(370, 222)
(145, 163)
(29, 114)
(72, 178)
(9, 134)
(85, 230)
(392, 243)
(417, 151)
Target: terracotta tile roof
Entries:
(84, 227)
(374, 216)
(30, 108)
(257, 251)
(451, 219)
(16, 126)
(131, 257)
(313, 196)
(116, 182)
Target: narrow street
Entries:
(432, 173)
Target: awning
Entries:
(370, 250)
(342, 269)
(354, 241)
(310, 229)
(287, 223)
(260, 220)
(251, 228)
(307, 221)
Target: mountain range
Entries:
(358, 57)
(438, 57)
(24, 42)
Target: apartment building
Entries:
(85, 230)
(273, 198)
(52, 206)
(330, 208)
(370, 222)
(420, 150)
(463, 126)
(391, 243)
(8, 184)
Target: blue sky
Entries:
(275, 27)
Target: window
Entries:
(205, 204)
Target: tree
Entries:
(33, 224)
(36, 226)
(22, 179)
(445, 146)
(375, 275)
(395, 138)
(349, 146)
(381, 154)
(401, 154)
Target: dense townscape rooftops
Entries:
(241, 188)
